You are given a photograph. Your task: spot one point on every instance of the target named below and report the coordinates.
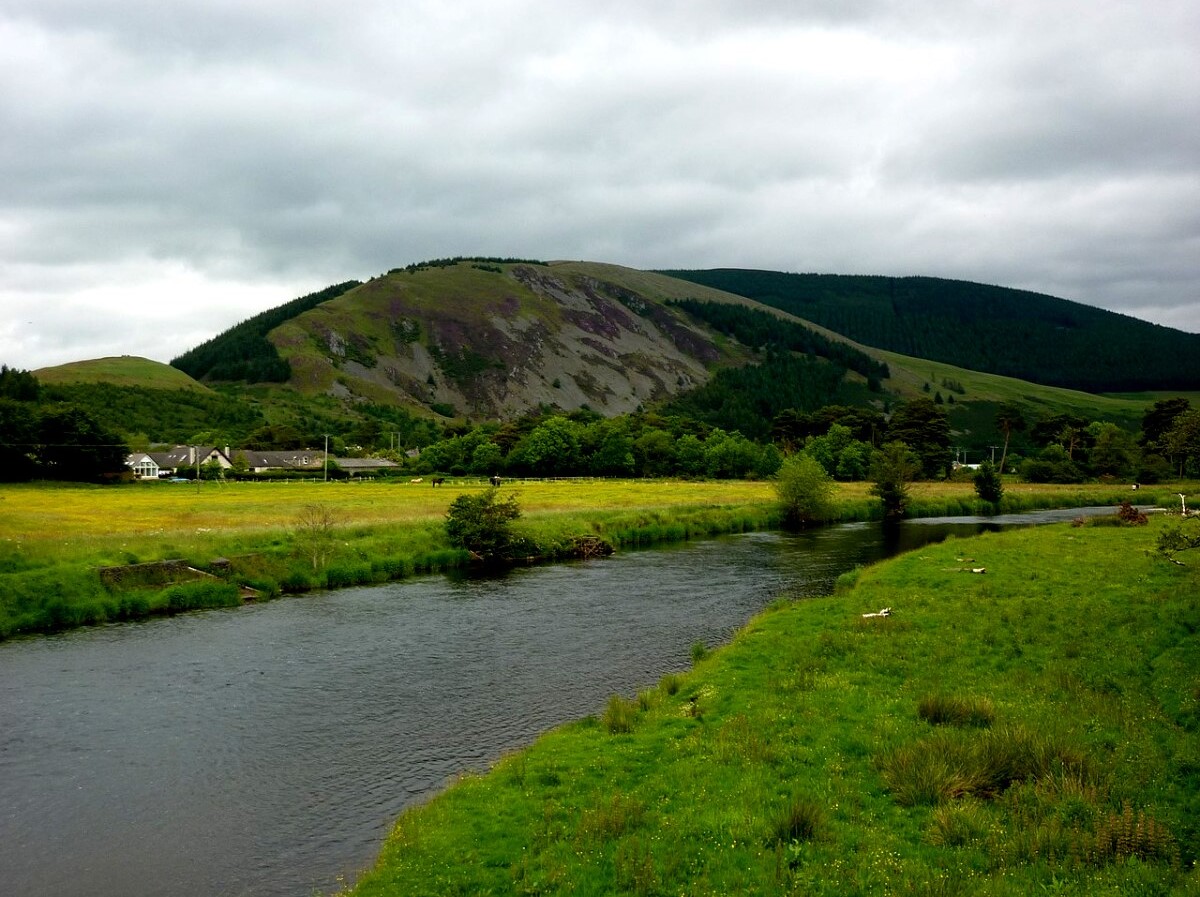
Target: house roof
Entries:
(364, 463)
(295, 459)
(181, 455)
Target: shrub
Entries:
(296, 581)
(1131, 516)
(339, 576)
(892, 469)
(805, 491)
(482, 523)
(847, 581)
(988, 485)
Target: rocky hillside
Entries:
(485, 339)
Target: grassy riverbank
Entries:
(294, 537)
(1031, 729)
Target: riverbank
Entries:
(1030, 728)
(263, 540)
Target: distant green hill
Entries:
(144, 399)
(998, 330)
(120, 370)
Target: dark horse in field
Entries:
(495, 481)
(437, 481)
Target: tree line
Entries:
(41, 438)
(744, 423)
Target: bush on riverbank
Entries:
(1060, 753)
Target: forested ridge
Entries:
(1016, 333)
(244, 353)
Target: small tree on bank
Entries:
(988, 484)
(892, 469)
(805, 491)
(482, 523)
(313, 536)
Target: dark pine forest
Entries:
(984, 328)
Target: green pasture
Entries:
(910, 374)
(292, 537)
(1034, 728)
(120, 370)
(54, 539)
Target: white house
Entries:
(151, 465)
(143, 466)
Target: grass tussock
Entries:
(611, 819)
(952, 764)
(959, 824)
(800, 819)
(620, 715)
(956, 710)
(670, 683)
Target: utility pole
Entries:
(326, 458)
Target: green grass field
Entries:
(1033, 729)
(56, 539)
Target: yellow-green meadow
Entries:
(264, 539)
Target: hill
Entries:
(994, 329)
(122, 370)
(491, 339)
(481, 338)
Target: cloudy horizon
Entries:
(172, 167)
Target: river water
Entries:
(266, 750)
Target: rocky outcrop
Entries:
(498, 341)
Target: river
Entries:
(266, 750)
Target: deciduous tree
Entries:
(805, 491)
(482, 523)
(893, 468)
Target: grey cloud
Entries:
(1053, 147)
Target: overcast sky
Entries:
(170, 167)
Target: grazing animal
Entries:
(495, 481)
(883, 612)
(437, 481)
(416, 479)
